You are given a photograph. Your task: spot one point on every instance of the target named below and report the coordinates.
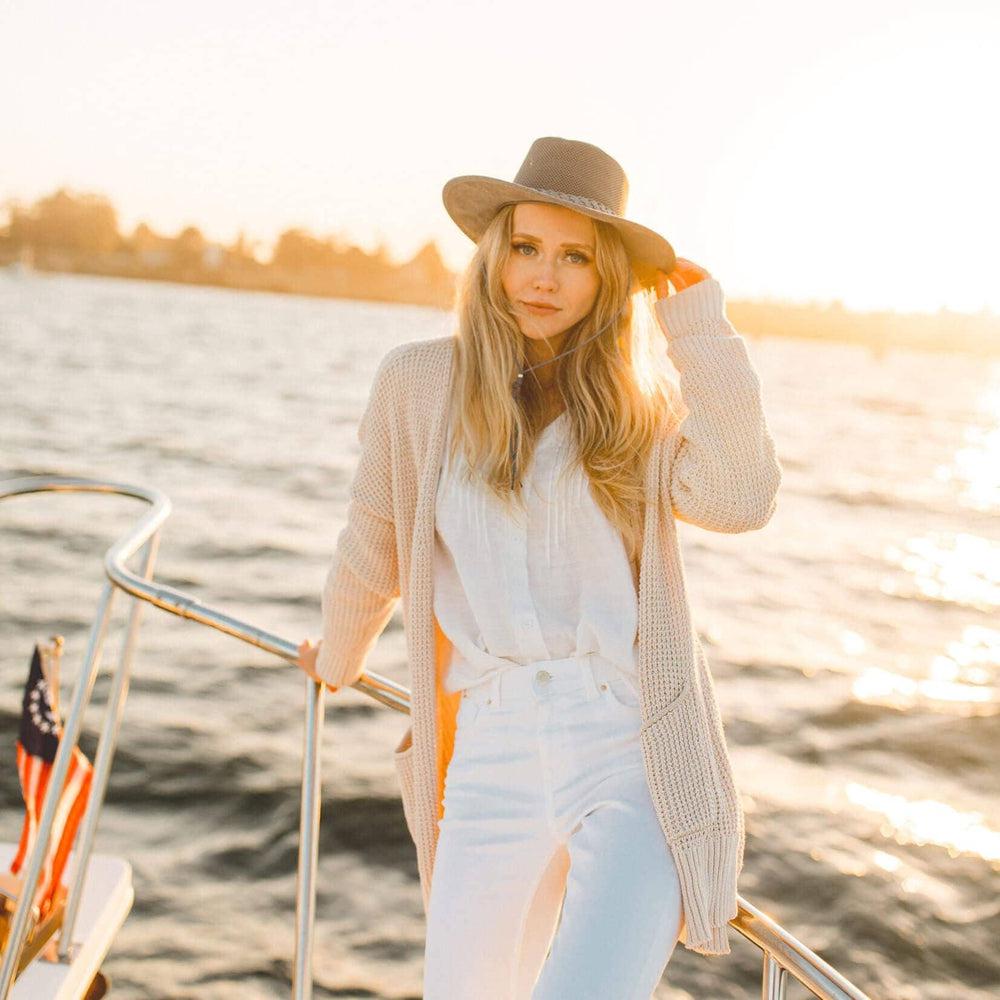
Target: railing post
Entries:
(309, 817)
(775, 979)
(104, 756)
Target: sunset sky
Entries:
(799, 151)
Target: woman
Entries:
(565, 777)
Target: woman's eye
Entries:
(581, 258)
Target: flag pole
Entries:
(57, 777)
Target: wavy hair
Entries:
(615, 393)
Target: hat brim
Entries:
(472, 201)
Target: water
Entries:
(855, 642)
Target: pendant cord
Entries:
(518, 383)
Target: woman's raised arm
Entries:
(723, 473)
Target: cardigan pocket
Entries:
(402, 758)
(683, 773)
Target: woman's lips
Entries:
(540, 310)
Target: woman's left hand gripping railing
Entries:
(142, 587)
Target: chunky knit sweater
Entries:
(715, 467)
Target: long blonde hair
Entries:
(615, 395)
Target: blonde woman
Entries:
(565, 776)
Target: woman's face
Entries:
(551, 262)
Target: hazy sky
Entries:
(798, 150)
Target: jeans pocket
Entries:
(469, 710)
(622, 691)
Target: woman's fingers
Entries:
(664, 282)
(690, 271)
(308, 653)
(685, 274)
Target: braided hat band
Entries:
(565, 172)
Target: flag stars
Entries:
(41, 713)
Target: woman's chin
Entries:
(542, 331)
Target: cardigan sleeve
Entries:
(362, 585)
(722, 472)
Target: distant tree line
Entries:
(79, 233)
(68, 231)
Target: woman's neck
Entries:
(540, 351)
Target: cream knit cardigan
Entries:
(715, 468)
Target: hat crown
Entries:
(576, 170)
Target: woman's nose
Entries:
(545, 275)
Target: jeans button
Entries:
(543, 676)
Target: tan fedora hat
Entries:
(562, 172)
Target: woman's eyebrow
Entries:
(528, 236)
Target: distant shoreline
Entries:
(418, 282)
(77, 233)
(945, 331)
(942, 332)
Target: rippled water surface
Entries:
(855, 642)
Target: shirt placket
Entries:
(527, 628)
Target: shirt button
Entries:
(543, 676)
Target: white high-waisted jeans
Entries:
(550, 837)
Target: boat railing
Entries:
(784, 956)
(145, 534)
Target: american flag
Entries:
(37, 743)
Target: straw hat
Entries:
(562, 172)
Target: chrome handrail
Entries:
(145, 532)
(783, 955)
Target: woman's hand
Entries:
(685, 274)
(307, 661)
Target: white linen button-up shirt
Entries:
(547, 581)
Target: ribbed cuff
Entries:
(698, 309)
(327, 665)
(708, 870)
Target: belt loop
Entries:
(588, 677)
(496, 688)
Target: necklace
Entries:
(518, 383)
